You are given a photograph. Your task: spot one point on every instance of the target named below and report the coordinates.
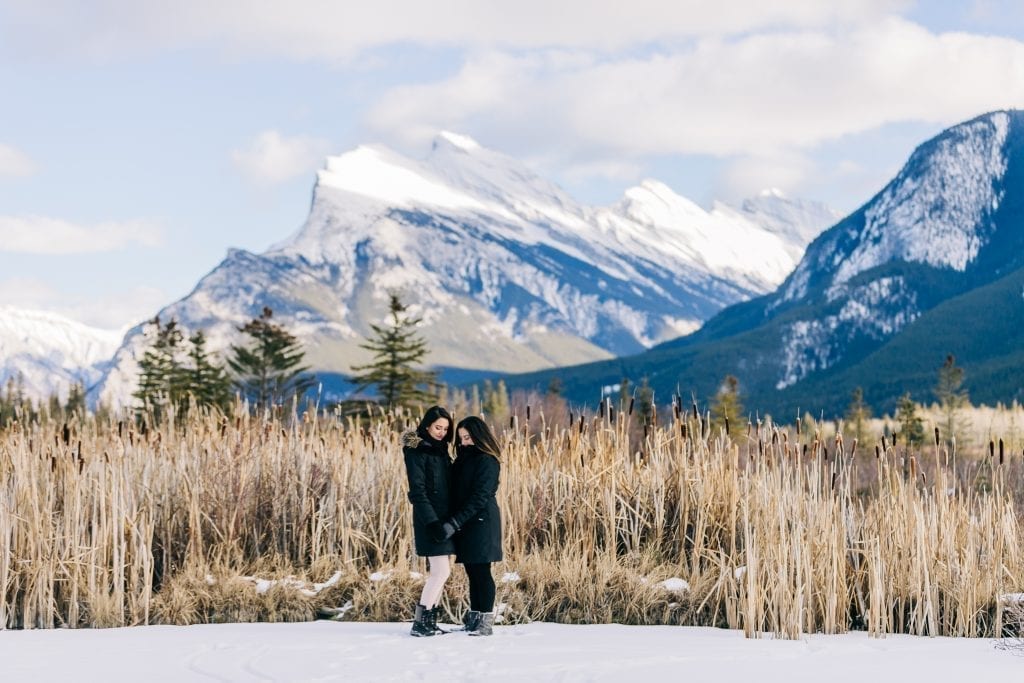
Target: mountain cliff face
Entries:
(47, 353)
(948, 226)
(506, 270)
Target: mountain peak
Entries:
(381, 174)
(457, 141)
(652, 201)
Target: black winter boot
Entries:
(469, 620)
(421, 627)
(430, 618)
(484, 626)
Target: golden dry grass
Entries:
(780, 531)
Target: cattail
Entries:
(1000, 451)
(527, 412)
(991, 449)
(936, 437)
(878, 452)
(726, 424)
(696, 416)
(631, 401)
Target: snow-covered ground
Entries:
(331, 651)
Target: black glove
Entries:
(440, 531)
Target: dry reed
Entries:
(110, 524)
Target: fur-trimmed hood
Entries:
(410, 439)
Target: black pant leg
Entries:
(481, 587)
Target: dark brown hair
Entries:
(481, 434)
(433, 414)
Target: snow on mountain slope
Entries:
(50, 352)
(508, 272)
(935, 212)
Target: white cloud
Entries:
(763, 96)
(325, 29)
(117, 311)
(609, 170)
(43, 235)
(747, 176)
(272, 159)
(13, 162)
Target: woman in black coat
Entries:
(476, 520)
(428, 465)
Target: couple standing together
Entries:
(454, 511)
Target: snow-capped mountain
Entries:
(937, 212)
(507, 271)
(870, 302)
(47, 353)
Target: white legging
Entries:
(440, 569)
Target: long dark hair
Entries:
(433, 414)
(481, 434)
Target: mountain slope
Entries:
(870, 303)
(507, 271)
(48, 352)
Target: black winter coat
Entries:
(474, 508)
(428, 468)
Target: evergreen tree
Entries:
(952, 400)
(475, 404)
(269, 372)
(161, 372)
(205, 380)
(857, 415)
(911, 426)
(727, 406)
(397, 348)
(624, 394)
(76, 400)
(644, 406)
(496, 405)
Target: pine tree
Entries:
(624, 395)
(75, 403)
(496, 405)
(911, 426)
(397, 348)
(645, 402)
(205, 380)
(161, 371)
(269, 372)
(857, 415)
(727, 406)
(952, 400)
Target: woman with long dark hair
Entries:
(476, 518)
(428, 465)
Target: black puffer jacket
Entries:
(475, 510)
(428, 467)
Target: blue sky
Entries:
(139, 141)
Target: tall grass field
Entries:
(783, 529)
